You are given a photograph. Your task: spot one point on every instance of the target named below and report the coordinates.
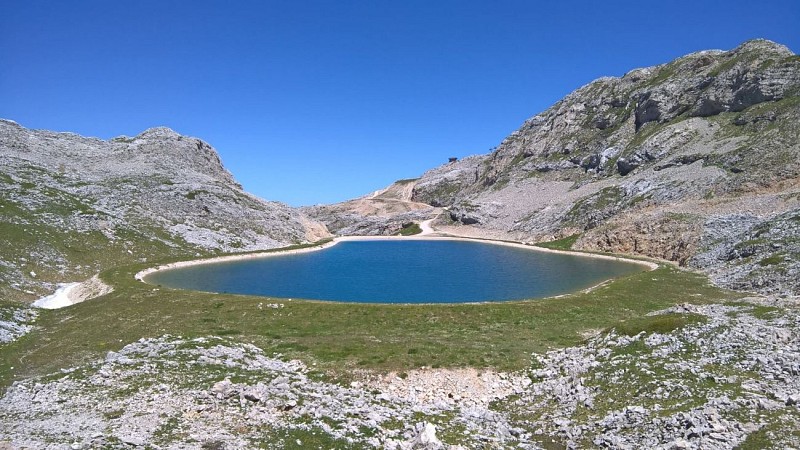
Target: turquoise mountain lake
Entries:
(401, 271)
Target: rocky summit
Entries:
(73, 205)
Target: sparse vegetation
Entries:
(410, 229)
(587, 211)
(661, 323)
(339, 336)
(771, 260)
(561, 244)
(191, 195)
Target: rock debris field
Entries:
(728, 377)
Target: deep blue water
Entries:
(402, 271)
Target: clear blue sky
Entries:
(317, 102)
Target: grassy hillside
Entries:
(60, 236)
(340, 336)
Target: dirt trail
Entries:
(426, 227)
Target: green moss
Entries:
(774, 431)
(660, 323)
(779, 107)
(646, 131)
(772, 260)
(607, 198)
(684, 217)
(301, 438)
(750, 243)
(724, 66)
(501, 182)
(560, 244)
(444, 192)
(763, 312)
(766, 64)
(664, 73)
(518, 158)
(410, 229)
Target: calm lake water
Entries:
(402, 271)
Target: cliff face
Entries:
(674, 161)
(72, 205)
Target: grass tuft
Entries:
(410, 229)
(341, 336)
(560, 244)
(661, 323)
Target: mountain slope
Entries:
(383, 212)
(685, 161)
(72, 205)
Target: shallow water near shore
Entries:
(402, 271)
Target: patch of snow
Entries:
(58, 299)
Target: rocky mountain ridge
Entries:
(73, 204)
(689, 161)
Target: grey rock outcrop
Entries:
(644, 162)
(728, 374)
(129, 198)
(747, 252)
(440, 186)
(15, 322)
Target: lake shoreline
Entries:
(143, 274)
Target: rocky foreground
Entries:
(728, 377)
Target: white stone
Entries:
(427, 437)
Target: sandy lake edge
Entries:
(142, 275)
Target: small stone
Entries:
(222, 388)
(636, 410)
(680, 443)
(767, 404)
(427, 437)
(132, 440)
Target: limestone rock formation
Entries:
(647, 163)
(72, 205)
